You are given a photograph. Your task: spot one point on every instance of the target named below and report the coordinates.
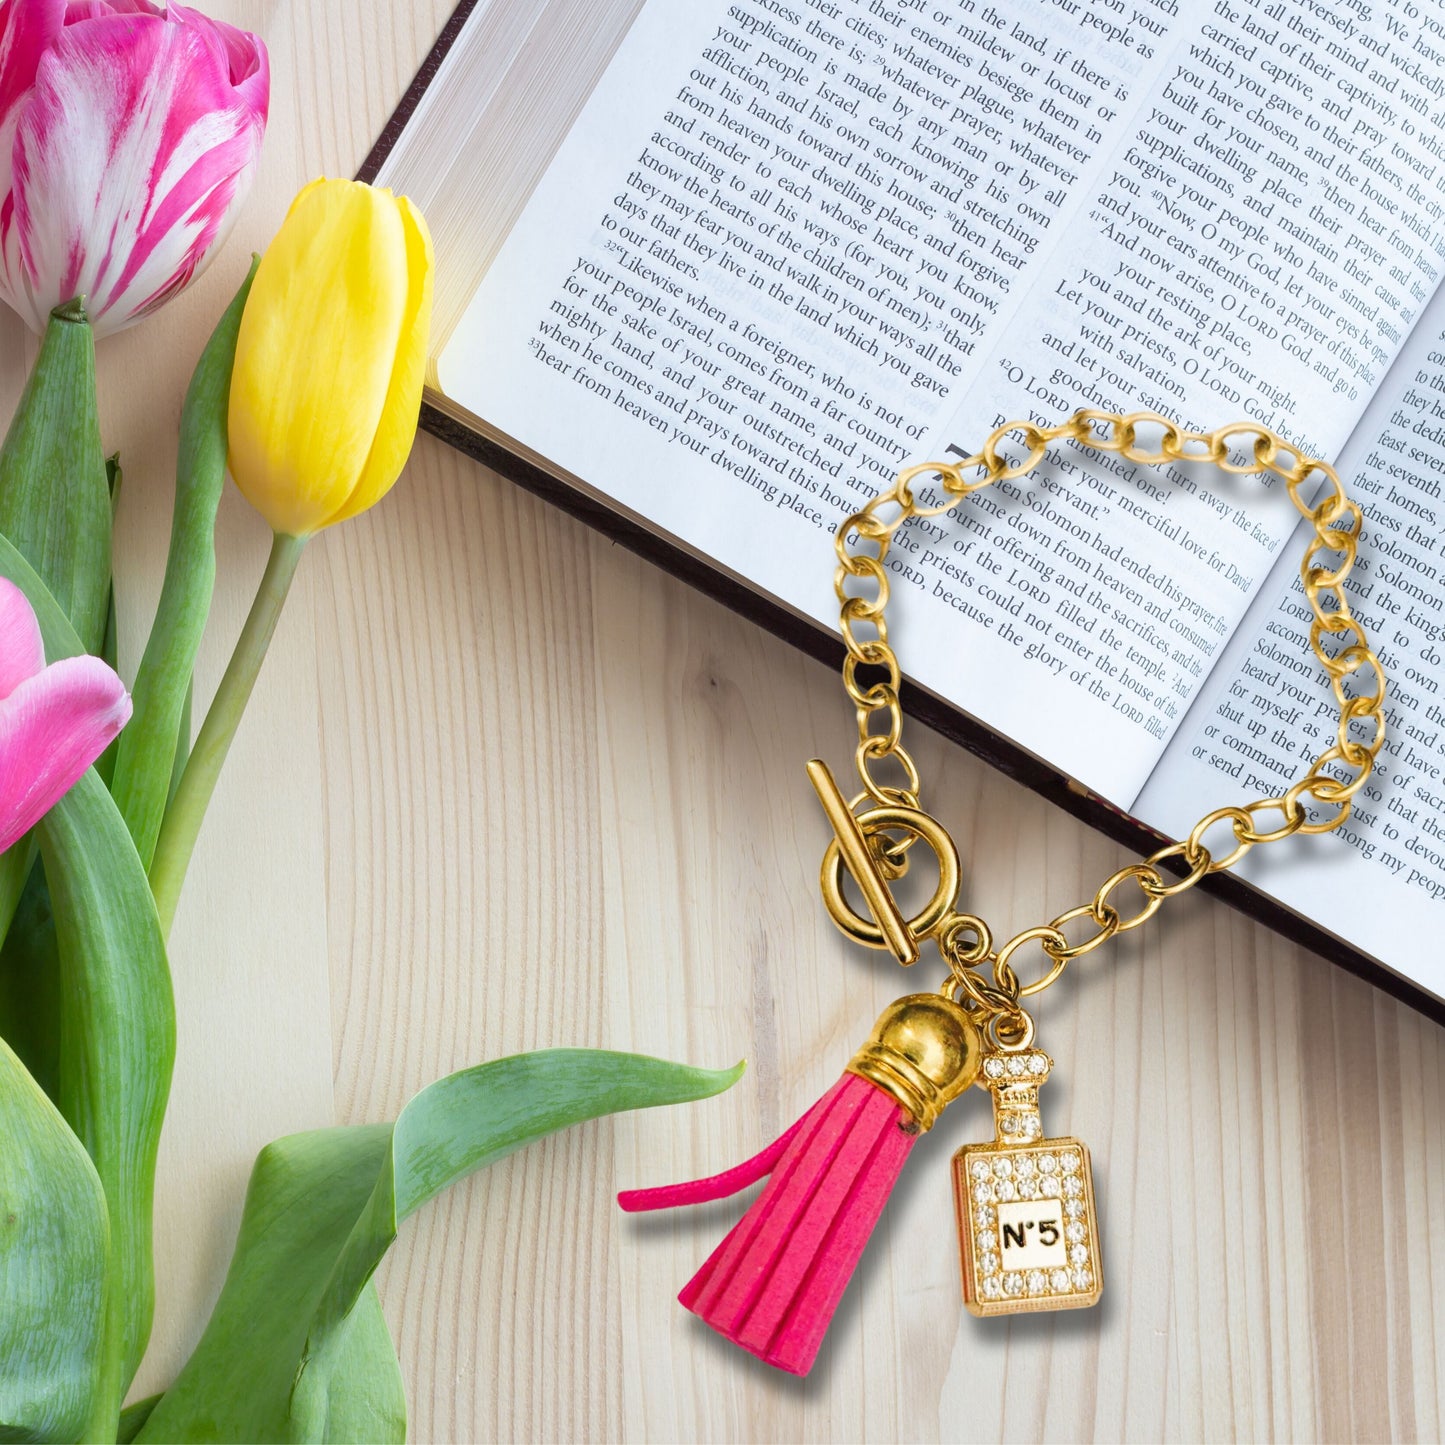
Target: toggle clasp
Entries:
(851, 849)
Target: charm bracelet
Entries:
(1027, 1226)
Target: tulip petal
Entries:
(128, 156)
(98, 9)
(22, 652)
(316, 353)
(246, 57)
(53, 726)
(27, 30)
(397, 429)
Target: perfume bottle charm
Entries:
(1026, 1221)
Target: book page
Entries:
(785, 244)
(1268, 711)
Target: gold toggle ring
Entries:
(871, 931)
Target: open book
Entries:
(723, 267)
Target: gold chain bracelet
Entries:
(872, 844)
(1028, 1224)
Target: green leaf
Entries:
(366, 1400)
(52, 1266)
(133, 1417)
(117, 1019)
(297, 1348)
(110, 644)
(109, 654)
(149, 745)
(55, 501)
(30, 985)
(56, 507)
(117, 1040)
(306, 1193)
(55, 630)
(15, 865)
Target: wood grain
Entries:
(504, 786)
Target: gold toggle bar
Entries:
(861, 864)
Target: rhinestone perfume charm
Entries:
(1026, 1221)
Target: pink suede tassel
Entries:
(772, 1285)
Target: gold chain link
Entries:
(1336, 636)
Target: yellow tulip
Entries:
(326, 389)
(325, 395)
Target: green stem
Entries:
(102, 1426)
(187, 810)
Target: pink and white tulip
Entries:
(128, 134)
(54, 721)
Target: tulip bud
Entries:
(330, 358)
(55, 721)
(128, 133)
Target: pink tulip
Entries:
(128, 134)
(54, 721)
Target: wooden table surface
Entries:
(504, 786)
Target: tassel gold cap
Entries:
(924, 1052)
